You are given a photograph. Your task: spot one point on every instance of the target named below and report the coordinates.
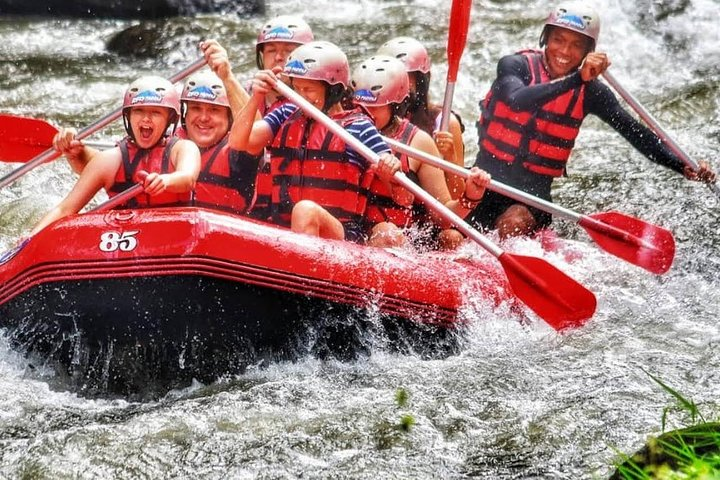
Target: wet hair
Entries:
(337, 93)
(418, 109)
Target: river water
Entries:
(518, 401)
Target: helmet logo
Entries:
(202, 93)
(278, 33)
(296, 66)
(364, 96)
(147, 96)
(572, 21)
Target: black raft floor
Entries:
(143, 336)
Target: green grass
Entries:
(690, 453)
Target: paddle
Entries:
(122, 197)
(638, 242)
(22, 138)
(457, 36)
(51, 153)
(655, 127)
(555, 297)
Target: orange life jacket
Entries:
(380, 206)
(308, 162)
(154, 160)
(217, 186)
(542, 139)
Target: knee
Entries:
(515, 221)
(386, 234)
(304, 214)
(450, 239)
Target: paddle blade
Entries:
(22, 139)
(638, 242)
(457, 35)
(556, 298)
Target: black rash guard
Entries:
(511, 87)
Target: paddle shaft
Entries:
(495, 186)
(366, 152)
(457, 37)
(521, 196)
(51, 153)
(655, 126)
(118, 199)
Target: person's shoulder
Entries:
(185, 147)
(104, 164)
(512, 63)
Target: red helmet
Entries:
(152, 90)
(319, 61)
(205, 87)
(380, 80)
(574, 16)
(412, 53)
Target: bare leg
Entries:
(515, 221)
(386, 234)
(310, 218)
(450, 239)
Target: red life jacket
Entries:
(263, 182)
(380, 205)
(216, 185)
(157, 160)
(542, 139)
(308, 162)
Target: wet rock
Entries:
(146, 9)
(154, 38)
(650, 12)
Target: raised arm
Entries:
(248, 134)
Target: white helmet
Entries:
(380, 80)
(412, 53)
(151, 91)
(285, 28)
(319, 60)
(574, 16)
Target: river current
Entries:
(517, 401)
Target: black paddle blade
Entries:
(555, 297)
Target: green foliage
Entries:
(683, 403)
(407, 420)
(688, 453)
(402, 397)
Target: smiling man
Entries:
(533, 112)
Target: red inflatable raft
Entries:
(130, 300)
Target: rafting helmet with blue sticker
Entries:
(151, 91)
(380, 80)
(285, 29)
(575, 16)
(323, 61)
(204, 87)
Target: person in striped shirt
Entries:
(319, 184)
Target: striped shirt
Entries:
(362, 129)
